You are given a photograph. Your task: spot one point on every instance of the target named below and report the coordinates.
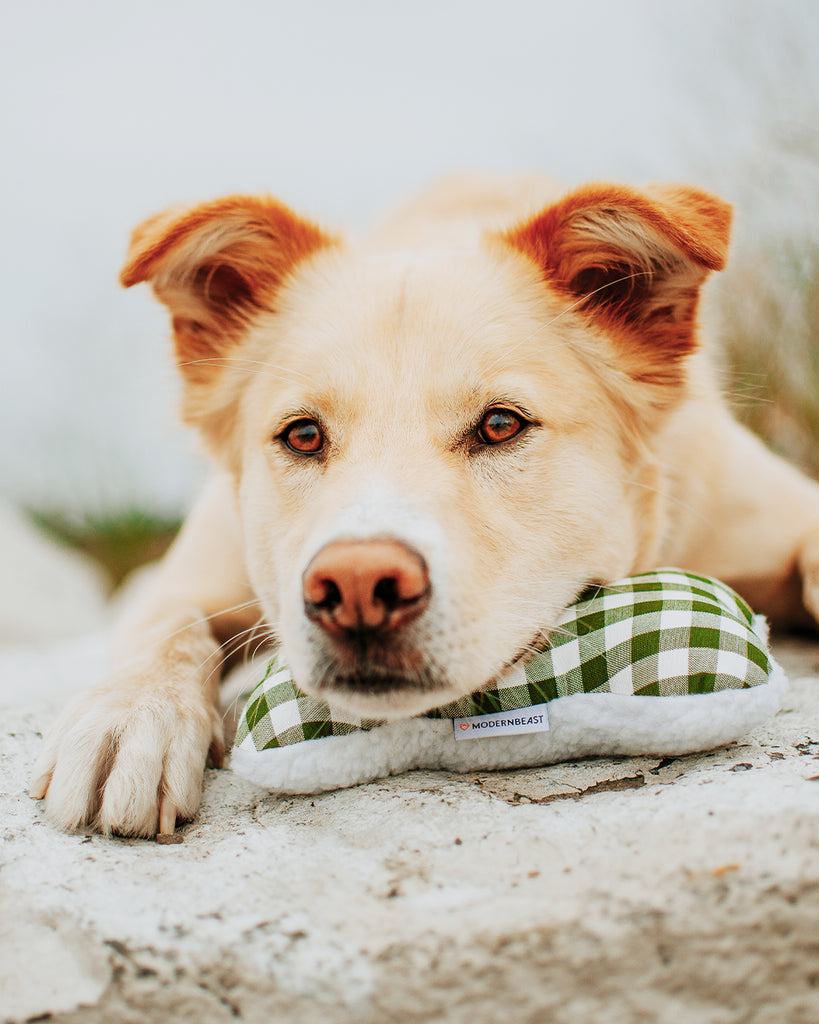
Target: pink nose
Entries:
(356, 585)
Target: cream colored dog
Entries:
(430, 442)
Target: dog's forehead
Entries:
(408, 316)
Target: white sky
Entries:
(111, 110)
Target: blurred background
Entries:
(112, 111)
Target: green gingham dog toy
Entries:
(662, 663)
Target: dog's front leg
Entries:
(127, 756)
(808, 560)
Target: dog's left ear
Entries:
(633, 261)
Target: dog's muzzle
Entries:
(363, 596)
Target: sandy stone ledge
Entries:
(681, 891)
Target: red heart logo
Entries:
(465, 725)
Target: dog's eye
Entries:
(304, 437)
(499, 425)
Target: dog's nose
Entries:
(357, 585)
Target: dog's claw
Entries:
(39, 788)
(167, 817)
(216, 753)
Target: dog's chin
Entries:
(381, 694)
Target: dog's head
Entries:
(435, 451)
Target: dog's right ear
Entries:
(216, 266)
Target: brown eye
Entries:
(304, 437)
(500, 425)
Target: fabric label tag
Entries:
(503, 723)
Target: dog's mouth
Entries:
(377, 680)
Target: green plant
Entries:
(120, 541)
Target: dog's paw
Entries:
(128, 757)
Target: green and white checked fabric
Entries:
(659, 634)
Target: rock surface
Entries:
(680, 891)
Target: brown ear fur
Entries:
(633, 262)
(215, 266)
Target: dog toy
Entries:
(663, 663)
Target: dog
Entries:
(429, 441)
